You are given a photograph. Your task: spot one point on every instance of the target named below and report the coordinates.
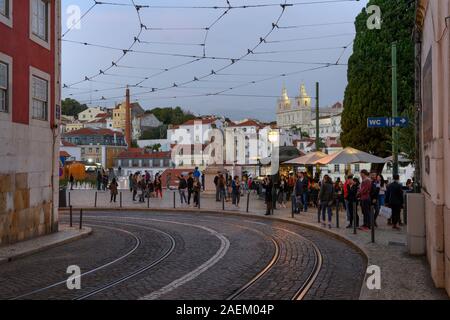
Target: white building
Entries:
(329, 122)
(90, 114)
(294, 115)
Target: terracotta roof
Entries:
(203, 121)
(137, 153)
(64, 154)
(91, 131)
(248, 123)
(67, 144)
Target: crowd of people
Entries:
(144, 186)
(370, 193)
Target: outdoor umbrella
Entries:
(349, 156)
(308, 159)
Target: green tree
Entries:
(174, 116)
(368, 93)
(155, 133)
(71, 107)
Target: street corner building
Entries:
(433, 97)
(29, 118)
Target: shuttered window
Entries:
(39, 98)
(39, 19)
(4, 88)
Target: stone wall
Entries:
(27, 196)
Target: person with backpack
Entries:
(326, 198)
(197, 187)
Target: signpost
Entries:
(387, 122)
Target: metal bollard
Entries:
(69, 200)
(174, 200)
(293, 207)
(81, 219)
(120, 196)
(70, 213)
(148, 202)
(95, 204)
(248, 201)
(337, 213)
(199, 193)
(355, 216)
(223, 202)
(318, 212)
(372, 223)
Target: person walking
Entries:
(190, 187)
(113, 188)
(222, 187)
(130, 182)
(216, 183)
(182, 187)
(236, 191)
(352, 199)
(346, 188)
(268, 186)
(158, 186)
(394, 200)
(197, 189)
(315, 188)
(326, 197)
(72, 181)
(364, 196)
(134, 186)
(99, 180)
(283, 189)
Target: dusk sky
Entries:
(309, 36)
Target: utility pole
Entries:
(128, 119)
(317, 117)
(394, 108)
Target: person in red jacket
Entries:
(364, 195)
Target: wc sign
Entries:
(386, 122)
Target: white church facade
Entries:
(301, 115)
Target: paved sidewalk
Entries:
(29, 247)
(403, 277)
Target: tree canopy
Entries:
(368, 93)
(174, 116)
(71, 107)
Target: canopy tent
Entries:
(308, 159)
(349, 156)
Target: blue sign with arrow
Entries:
(386, 122)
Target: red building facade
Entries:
(29, 115)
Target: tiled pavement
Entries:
(402, 276)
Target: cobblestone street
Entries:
(195, 256)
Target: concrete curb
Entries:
(308, 225)
(9, 258)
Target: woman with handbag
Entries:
(326, 198)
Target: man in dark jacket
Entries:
(268, 186)
(190, 187)
(394, 200)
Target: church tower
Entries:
(303, 104)
(284, 102)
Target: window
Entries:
(39, 19)
(4, 87)
(336, 168)
(6, 12)
(4, 8)
(357, 168)
(39, 94)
